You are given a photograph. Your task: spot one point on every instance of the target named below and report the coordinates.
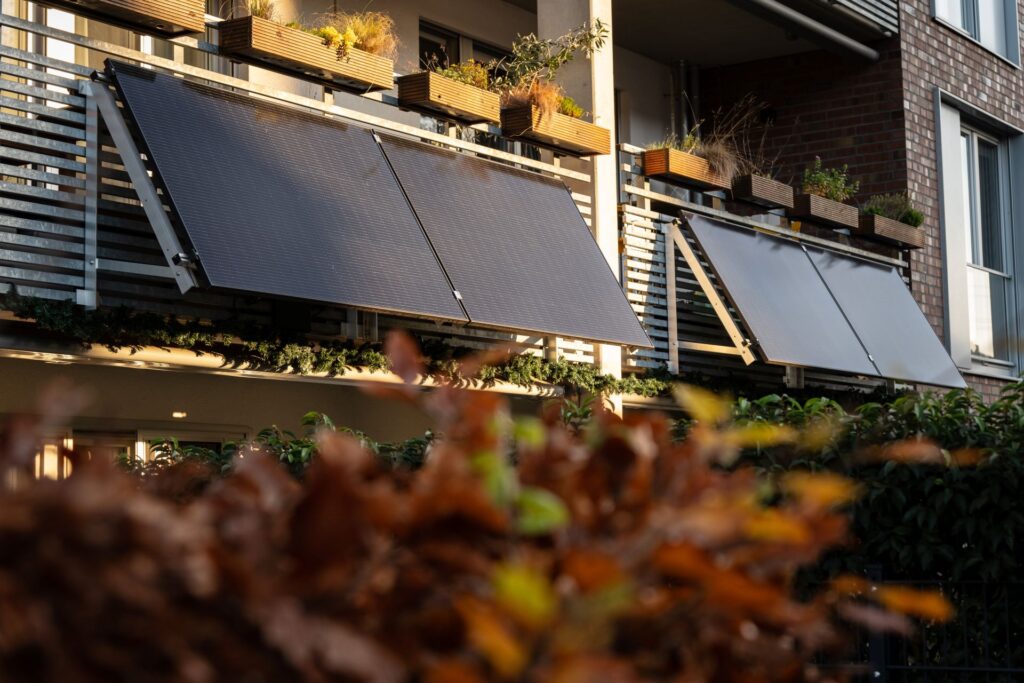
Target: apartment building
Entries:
(162, 167)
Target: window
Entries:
(986, 237)
(979, 226)
(438, 45)
(993, 23)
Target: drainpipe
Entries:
(805, 27)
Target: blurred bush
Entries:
(610, 552)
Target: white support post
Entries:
(671, 304)
(592, 84)
(87, 296)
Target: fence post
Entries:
(878, 658)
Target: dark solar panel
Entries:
(781, 298)
(514, 245)
(281, 202)
(887, 319)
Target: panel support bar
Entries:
(142, 182)
(742, 344)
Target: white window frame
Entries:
(1009, 50)
(954, 117)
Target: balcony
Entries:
(82, 222)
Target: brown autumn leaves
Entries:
(611, 555)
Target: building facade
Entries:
(111, 206)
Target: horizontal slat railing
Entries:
(68, 224)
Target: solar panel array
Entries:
(286, 203)
(815, 308)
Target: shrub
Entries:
(372, 32)
(470, 72)
(609, 555)
(898, 207)
(831, 183)
(568, 106)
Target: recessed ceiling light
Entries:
(179, 414)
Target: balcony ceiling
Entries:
(705, 32)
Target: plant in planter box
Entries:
(535, 107)
(350, 50)
(892, 218)
(712, 153)
(824, 191)
(459, 91)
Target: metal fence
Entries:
(984, 643)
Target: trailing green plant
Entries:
(896, 206)
(244, 345)
(830, 183)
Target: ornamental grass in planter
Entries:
(892, 218)
(163, 17)
(525, 114)
(460, 92)
(821, 201)
(691, 162)
(352, 51)
(535, 108)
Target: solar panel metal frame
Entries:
(515, 246)
(888, 321)
(778, 321)
(391, 268)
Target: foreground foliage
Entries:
(609, 553)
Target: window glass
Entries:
(952, 11)
(987, 306)
(985, 225)
(990, 206)
(437, 45)
(992, 24)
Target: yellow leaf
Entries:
(525, 594)
(848, 584)
(489, 636)
(760, 434)
(925, 604)
(820, 490)
(701, 404)
(774, 526)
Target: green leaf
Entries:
(540, 512)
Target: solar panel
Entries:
(285, 203)
(515, 246)
(887, 319)
(781, 299)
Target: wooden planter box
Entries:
(762, 191)
(162, 17)
(435, 94)
(293, 51)
(817, 209)
(557, 131)
(682, 168)
(887, 230)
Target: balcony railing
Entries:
(72, 227)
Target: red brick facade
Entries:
(846, 112)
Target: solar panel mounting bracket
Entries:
(178, 260)
(742, 345)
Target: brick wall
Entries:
(846, 112)
(934, 55)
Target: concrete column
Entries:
(592, 84)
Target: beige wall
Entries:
(129, 399)
(643, 85)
